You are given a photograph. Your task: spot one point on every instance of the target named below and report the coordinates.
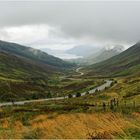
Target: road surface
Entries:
(78, 71)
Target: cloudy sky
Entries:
(64, 24)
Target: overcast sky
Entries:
(64, 24)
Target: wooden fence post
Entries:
(134, 104)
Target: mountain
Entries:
(83, 50)
(73, 54)
(104, 54)
(18, 68)
(60, 53)
(126, 63)
(32, 54)
(52, 52)
(25, 72)
(100, 55)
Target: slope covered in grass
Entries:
(32, 54)
(28, 124)
(126, 63)
(25, 72)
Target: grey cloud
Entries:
(112, 21)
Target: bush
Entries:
(96, 90)
(111, 84)
(49, 95)
(78, 94)
(69, 96)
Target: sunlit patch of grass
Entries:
(82, 125)
(10, 129)
(32, 134)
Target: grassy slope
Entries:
(14, 67)
(25, 72)
(78, 118)
(22, 79)
(83, 117)
(33, 54)
(64, 126)
(128, 62)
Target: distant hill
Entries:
(62, 54)
(100, 55)
(52, 52)
(83, 50)
(126, 63)
(104, 54)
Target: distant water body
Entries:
(66, 56)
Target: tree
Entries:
(96, 90)
(111, 84)
(87, 92)
(78, 94)
(49, 95)
(69, 96)
(35, 96)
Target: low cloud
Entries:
(92, 22)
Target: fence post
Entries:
(104, 106)
(111, 105)
(125, 103)
(134, 104)
(117, 102)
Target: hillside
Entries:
(126, 63)
(32, 54)
(104, 54)
(14, 67)
(99, 55)
(25, 72)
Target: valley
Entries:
(44, 97)
(69, 69)
(66, 117)
(105, 84)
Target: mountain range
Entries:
(104, 54)
(125, 63)
(83, 50)
(25, 72)
(100, 54)
(32, 54)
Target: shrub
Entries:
(78, 94)
(69, 96)
(49, 95)
(96, 90)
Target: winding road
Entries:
(78, 71)
(92, 91)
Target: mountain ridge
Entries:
(124, 63)
(33, 54)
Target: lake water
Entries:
(66, 56)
